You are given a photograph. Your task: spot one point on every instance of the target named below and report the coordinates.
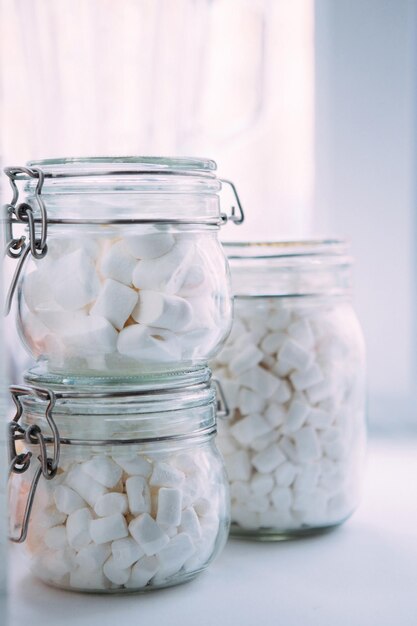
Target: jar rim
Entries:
(76, 166)
(286, 249)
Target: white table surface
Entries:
(363, 574)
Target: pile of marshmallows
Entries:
(125, 521)
(293, 378)
(148, 298)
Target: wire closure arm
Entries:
(20, 463)
(18, 247)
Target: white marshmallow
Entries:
(249, 428)
(142, 572)
(278, 319)
(240, 491)
(295, 354)
(273, 342)
(245, 359)
(67, 500)
(103, 470)
(307, 444)
(165, 475)
(174, 555)
(138, 495)
(283, 393)
(319, 392)
(296, 416)
(302, 333)
(74, 281)
(282, 368)
(258, 503)
(115, 574)
(194, 281)
(89, 489)
(302, 380)
(307, 477)
(55, 564)
(108, 528)
(149, 245)
(136, 465)
(88, 579)
(269, 459)
(190, 524)
(149, 344)
(82, 335)
(239, 466)
(118, 264)
(148, 534)
(162, 311)
(110, 503)
(250, 402)
(259, 380)
(126, 552)
(275, 414)
(319, 418)
(285, 474)
(37, 292)
(169, 506)
(92, 557)
(56, 537)
(231, 392)
(262, 484)
(166, 273)
(115, 302)
(78, 524)
(281, 498)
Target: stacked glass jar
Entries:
(293, 374)
(123, 296)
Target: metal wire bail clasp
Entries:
(236, 216)
(14, 213)
(223, 410)
(32, 435)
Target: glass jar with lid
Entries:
(125, 272)
(118, 489)
(293, 373)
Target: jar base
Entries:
(272, 534)
(123, 590)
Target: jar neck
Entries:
(291, 270)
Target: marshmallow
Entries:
(269, 459)
(115, 302)
(149, 245)
(118, 264)
(249, 428)
(85, 486)
(56, 537)
(169, 507)
(164, 475)
(125, 552)
(245, 360)
(239, 466)
(93, 556)
(174, 555)
(103, 470)
(149, 344)
(297, 415)
(162, 311)
(136, 465)
(82, 335)
(88, 579)
(138, 495)
(250, 402)
(67, 500)
(78, 524)
(115, 574)
(108, 528)
(190, 524)
(301, 332)
(285, 474)
(262, 484)
(302, 380)
(295, 354)
(273, 342)
(142, 572)
(110, 503)
(278, 319)
(259, 380)
(37, 292)
(148, 534)
(166, 273)
(74, 281)
(307, 444)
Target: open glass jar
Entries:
(120, 490)
(125, 270)
(293, 373)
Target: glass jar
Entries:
(130, 493)
(293, 373)
(125, 270)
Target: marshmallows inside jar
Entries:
(142, 298)
(125, 520)
(293, 377)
